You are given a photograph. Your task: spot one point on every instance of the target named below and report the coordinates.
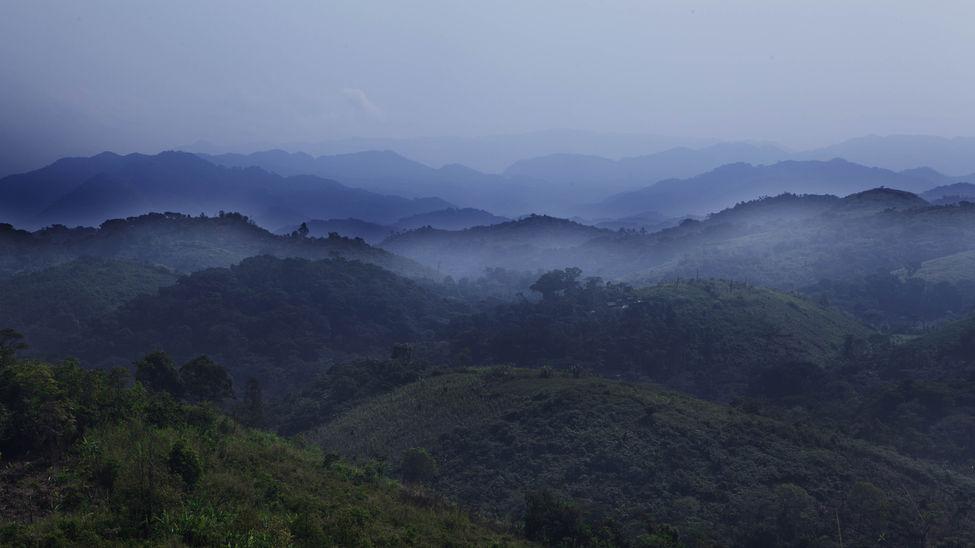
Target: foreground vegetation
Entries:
(89, 461)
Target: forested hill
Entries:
(282, 321)
(641, 461)
(180, 243)
(529, 243)
(714, 338)
(47, 304)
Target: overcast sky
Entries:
(153, 74)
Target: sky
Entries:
(147, 75)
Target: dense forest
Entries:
(513, 407)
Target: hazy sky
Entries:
(147, 75)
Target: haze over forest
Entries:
(588, 274)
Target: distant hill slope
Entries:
(635, 171)
(523, 244)
(955, 156)
(947, 194)
(180, 243)
(713, 338)
(635, 454)
(280, 320)
(450, 219)
(729, 184)
(388, 172)
(349, 228)
(88, 191)
(789, 241)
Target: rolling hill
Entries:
(642, 457)
(48, 304)
(525, 244)
(282, 321)
(88, 191)
(180, 243)
(711, 338)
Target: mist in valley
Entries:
(520, 274)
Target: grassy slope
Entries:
(255, 490)
(635, 451)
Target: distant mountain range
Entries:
(488, 153)
(389, 172)
(87, 191)
(574, 169)
(733, 183)
(955, 156)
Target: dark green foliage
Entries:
(52, 306)
(268, 318)
(652, 461)
(252, 404)
(157, 372)
(10, 343)
(714, 338)
(418, 466)
(557, 282)
(185, 463)
(553, 522)
(204, 380)
(896, 303)
(341, 387)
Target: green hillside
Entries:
(636, 455)
(714, 338)
(87, 462)
(48, 305)
(279, 320)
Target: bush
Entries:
(185, 463)
(418, 466)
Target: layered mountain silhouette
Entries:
(87, 191)
(949, 194)
(733, 183)
(954, 156)
(389, 172)
(628, 172)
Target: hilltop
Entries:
(180, 243)
(523, 244)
